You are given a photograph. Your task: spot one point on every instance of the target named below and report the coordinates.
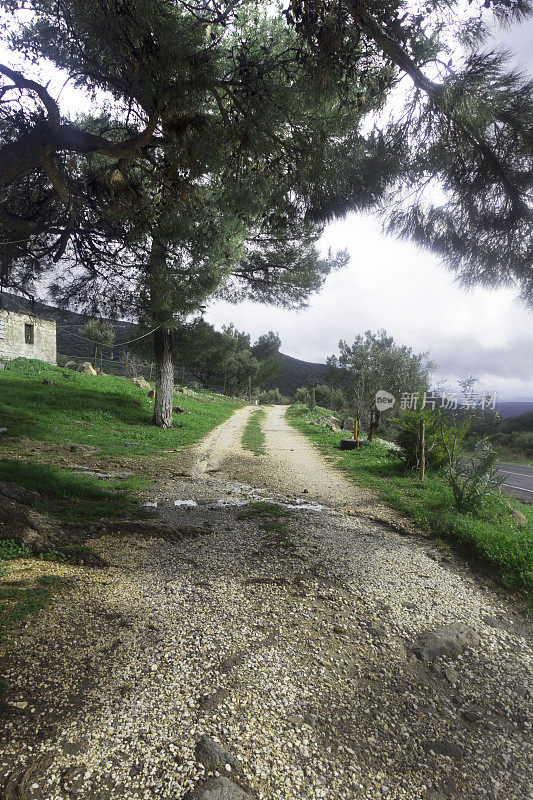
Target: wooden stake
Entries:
(151, 367)
(356, 429)
(422, 450)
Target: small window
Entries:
(28, 333)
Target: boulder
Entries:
(348, 424)
(87, 368)
(178, 410)
(213, 756)
(71, 365)
(447, 640)
(444, 748)
(218, 789)
(82, 448)
(142, 383)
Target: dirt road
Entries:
(331, 657)
(291, 466)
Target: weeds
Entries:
(253, 437)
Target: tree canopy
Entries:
(273, 104)
(376, 362)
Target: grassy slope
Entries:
(104, 412)
(253, 437)
(492, 539)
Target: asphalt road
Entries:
(519, 480)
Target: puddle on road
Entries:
(239, 502)
(170, 503)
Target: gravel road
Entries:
(330, 655)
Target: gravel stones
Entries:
(443, 748)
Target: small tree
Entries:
(471, 480)
(374, 362)
(100, 332)
(439, 436)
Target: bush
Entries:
(439, 434)
(272, 397)
(473, 480)
(312, 400)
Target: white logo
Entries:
(384, 400)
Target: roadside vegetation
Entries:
(60, 424)
(253, 437)
(489, 534)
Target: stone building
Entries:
(27, 335)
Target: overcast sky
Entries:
(393, 285)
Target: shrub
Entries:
(312, 400)
(272, 397)
(302, 395)
(439, 434)
(473, 480)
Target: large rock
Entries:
(218, 789)
(213, 756)
(87, 368)
(448, 640)
(142, 383)
(71, 365)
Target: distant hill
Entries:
(513, 408)
(70, 344)
(294, 373)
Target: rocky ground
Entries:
(315, 655)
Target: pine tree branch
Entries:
(32, 150)
(398, 55)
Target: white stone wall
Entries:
(13, 337)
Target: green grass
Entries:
(265, 508)
(253, 437)
(491, 538)
(20, 598)
(104, 412)
(69, 496)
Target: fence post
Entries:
(356, 430)
(151, 367)
(422, 450)
(126, 364)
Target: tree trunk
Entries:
(374, 423)
(164, 377)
